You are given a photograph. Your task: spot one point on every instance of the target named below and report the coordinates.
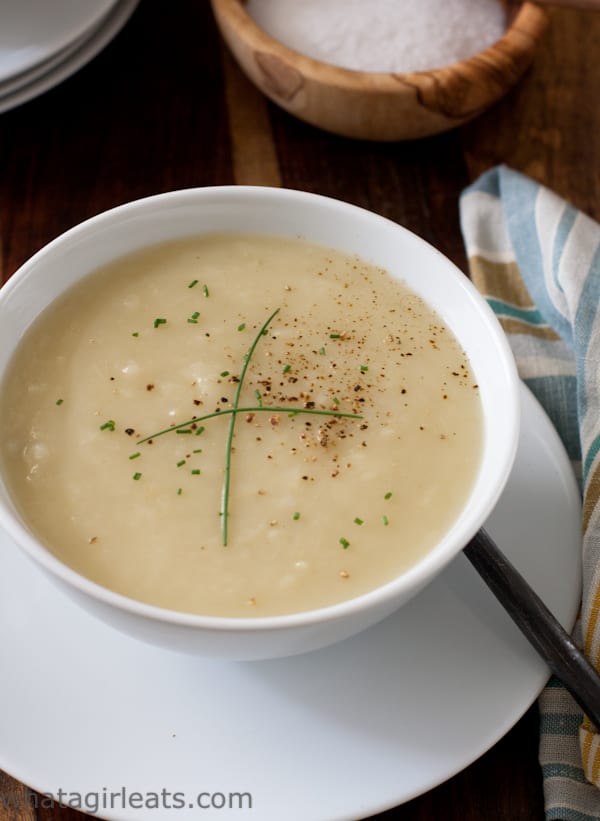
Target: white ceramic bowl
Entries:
(288, 213)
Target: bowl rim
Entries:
(518, 40)
(416, 576)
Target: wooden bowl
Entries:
(381, 106)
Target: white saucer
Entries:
(75, 57)
(31, 31)
(341, 733)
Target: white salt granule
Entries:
(383, 35)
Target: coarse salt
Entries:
(383, 35)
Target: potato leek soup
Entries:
(240, 425)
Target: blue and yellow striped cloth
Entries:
(537, 261)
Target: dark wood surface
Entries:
(163, 107)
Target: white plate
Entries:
(75, 58)
(34, 30)
(27, 77)
(341, 733)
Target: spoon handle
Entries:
(537, 623)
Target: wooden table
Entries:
(164, 107)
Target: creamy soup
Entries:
(355, 440)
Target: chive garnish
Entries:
(205, 290)
(232, 421)
(110, 425)
(251, 409)
(344, 543)
(193, 283)
(386, 521)
(358, 521)
(296, 516)
(242, 327)
(159, 321)
(233, 411)
(388, 495)
(135, 455)
(137, 476)
(59, 401)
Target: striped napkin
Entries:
(537, 261)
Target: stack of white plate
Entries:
(42, 43)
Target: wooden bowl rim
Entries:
(518, 40)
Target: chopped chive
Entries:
(388, 495)
(183, 430)
(296, 516)
(358, 521)
(195, 472)
(322, 351)
(364, 368)
(335, 336)
(205, 290)
(137, 476)
(386, 521)
(287, 368)
(242, 326)
(180, 463)
(224, 373)
(110, 425)
(135, 455)
(179, 491)
(193, 283)
(200, 430)
(344, 543)
(135, 333)
(159, 321)
(59, 401)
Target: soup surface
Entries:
(282, 506)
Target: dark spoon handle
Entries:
(537, 623)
